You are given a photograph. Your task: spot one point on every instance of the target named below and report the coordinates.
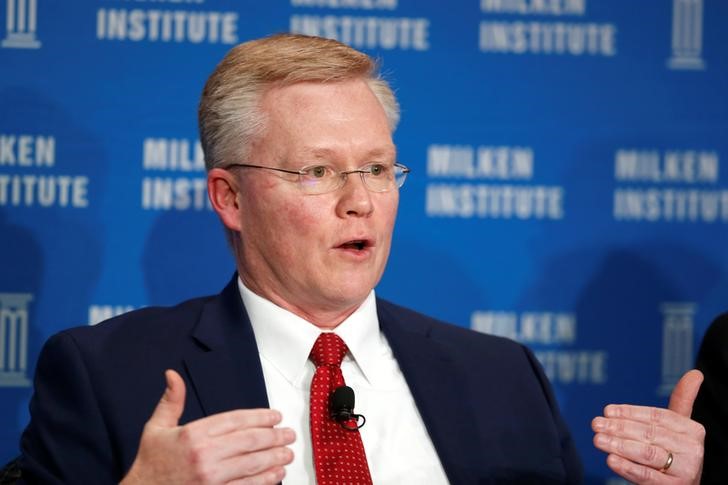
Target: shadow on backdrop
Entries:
(185, 256)
(51, 253)
(621, 306)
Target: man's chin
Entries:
(348, 293)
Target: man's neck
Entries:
(322, 317)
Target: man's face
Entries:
(317, 254)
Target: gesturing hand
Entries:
(648, 445)
(241, 446)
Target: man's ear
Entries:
(223, 188)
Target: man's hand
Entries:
(649, 445)
(239, 446)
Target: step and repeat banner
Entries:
(567, 188)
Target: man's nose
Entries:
(355, 199)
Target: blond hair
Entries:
(229, 114)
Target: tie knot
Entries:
(328, 349)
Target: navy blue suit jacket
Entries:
(485, 402)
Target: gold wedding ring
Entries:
(668, 462)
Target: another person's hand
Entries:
(648, 445)
(241, 446)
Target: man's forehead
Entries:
(327, 121)
(317, 95)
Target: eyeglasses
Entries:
(322, 179)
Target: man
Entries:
(297, 134)
(711, 405)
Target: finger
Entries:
(254, 439)
(269, 477)
(683, 396)
(636, 473)
(251, 464)
(653, 456)
(170, 406)
(650, 415)
(231, 421)
(647, 433)
(249, 440)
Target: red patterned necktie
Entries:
(338, 453)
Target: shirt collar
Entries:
(285, 339)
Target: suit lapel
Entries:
(438, 387)
(222, 360)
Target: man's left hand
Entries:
(648, 445)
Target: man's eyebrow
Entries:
(329, 153)
(389, 152)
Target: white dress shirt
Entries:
(398, 448)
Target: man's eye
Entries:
(319, 171)
(378, 169)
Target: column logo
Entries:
(14, 339)
(677, 343)
(687, 35)
(20, 24)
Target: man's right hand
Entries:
(240, 446)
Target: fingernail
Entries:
(598, 424)
(601, 439)
(289, 434)
(610, 411)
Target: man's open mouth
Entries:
(356, 244)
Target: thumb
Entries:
(686, 389)
(170, 407)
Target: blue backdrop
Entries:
(566, 188)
